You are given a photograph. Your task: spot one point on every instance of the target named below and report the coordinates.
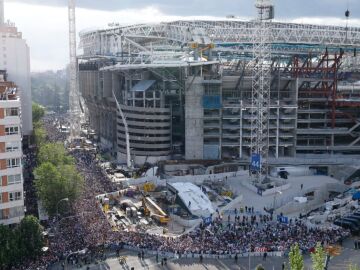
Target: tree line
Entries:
(56, 176)
(319, 257)
(21, 243)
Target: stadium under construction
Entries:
(183, 90)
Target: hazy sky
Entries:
(44, 23)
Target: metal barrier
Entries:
(205, 255)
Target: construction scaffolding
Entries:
(221, 89)
(261, 79)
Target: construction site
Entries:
(195, 90)
(208, 127)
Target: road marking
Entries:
(222, 264)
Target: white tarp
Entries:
(196, 201)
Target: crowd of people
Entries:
(237, 237)
(88, 227)
(29, 164)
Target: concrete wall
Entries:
(194, 123)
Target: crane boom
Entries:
(74, 97)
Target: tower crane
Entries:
(261, 80)
(74, 96)
(75, 103)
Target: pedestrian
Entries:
(301, 186)
(265, 255)
(201, 258)
(162, 262)
(142, 254)
(283, 266)
(157, 257)
(236, 258)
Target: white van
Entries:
(291, 171)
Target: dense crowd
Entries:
(243, 232)
(29, 164)
(239, 236)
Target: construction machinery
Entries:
(153, 210)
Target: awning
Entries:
(143, 85)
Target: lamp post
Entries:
(276, 193)
(57, 205)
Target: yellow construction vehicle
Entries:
(153, 210)
(149, 187)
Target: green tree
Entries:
(260, 267)
(55, 183)
(318, 257)
(48, 186)
(20, 243)
(30, 237)
(296, 260)
(54, 153)
(6, 245)
(39, 134)
(37, 112)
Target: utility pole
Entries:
(261, 80)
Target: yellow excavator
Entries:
(153, 210)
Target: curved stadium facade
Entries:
(185, 89)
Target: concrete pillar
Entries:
(277, 131)
(241, 130)
(194, 119)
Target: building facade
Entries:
(11, 184)
(15, 59)
(184, 90)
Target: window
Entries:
(14, 179)
(15, 196)
(11, 130)
(13, 163)
(16, 212)
(12, 146)
(0, 197)
(12, 111)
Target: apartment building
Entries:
(11, 184)
(15, 59)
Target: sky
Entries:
(44, 23)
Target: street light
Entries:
(276, 193)
(57, 205)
